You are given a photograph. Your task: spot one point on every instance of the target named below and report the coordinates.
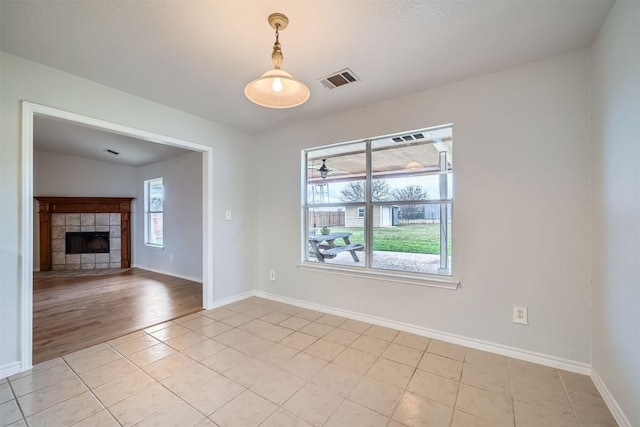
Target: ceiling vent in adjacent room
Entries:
(338, 79)
(110, 151)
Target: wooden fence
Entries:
(320, 219)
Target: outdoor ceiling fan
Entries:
(323, 170)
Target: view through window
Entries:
(385, 203)
(154, 207)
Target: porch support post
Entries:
(444, 215)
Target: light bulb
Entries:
(277, 84)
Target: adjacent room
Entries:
(102, 265)
(240, 213)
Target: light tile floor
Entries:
(260, 362)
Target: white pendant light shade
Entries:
(414, 165)
(277, 89)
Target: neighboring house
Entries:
(387, 216)
(383, 216)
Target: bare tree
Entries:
(409, 193)
(354, 191)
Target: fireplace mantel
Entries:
(66, 205)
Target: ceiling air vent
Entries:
(338, 79)
(110, 151)
(407, 137)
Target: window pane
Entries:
(332, 232)
(410, 239)
(414, 169)
(156, 195)
(155, 229)
(344, 170)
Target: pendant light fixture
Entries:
(276, 88)
(414, 165)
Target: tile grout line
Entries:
(566, 393)
(455, 403)
(404, 390)
(513, 398)
(15, 397)
(90, 391)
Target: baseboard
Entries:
(167, 273)
(516, 353)
(615, 409)
(232, 299)
(9, 369)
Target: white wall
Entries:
(616, 206)
(182, 217)
(21, 79)
(521, 215)
(59, 175)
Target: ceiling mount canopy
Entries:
(276, 88)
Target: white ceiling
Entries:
(70, 138)
(197, 56)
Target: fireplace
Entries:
(78, 233)
(87, 242)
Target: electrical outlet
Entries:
(227, 215)
(171, 258)
(520, 315)
(272, 275)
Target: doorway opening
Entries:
(29, 112)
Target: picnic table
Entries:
(323, 246)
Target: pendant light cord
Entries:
(276, 56)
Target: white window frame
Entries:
(148, 211)
(361, 212)
(444, 278)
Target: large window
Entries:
(383, 204)
(153, 212)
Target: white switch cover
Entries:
(227, 215)
(272, 275)
(520, 315)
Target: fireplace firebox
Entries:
(87, 242)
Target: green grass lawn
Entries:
(414, 238)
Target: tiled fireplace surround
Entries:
(59, 215)
(62, 223)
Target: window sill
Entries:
(154, 246)
(428, 281)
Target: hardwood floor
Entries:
(73, 313)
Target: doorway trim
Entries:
(29, 110)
